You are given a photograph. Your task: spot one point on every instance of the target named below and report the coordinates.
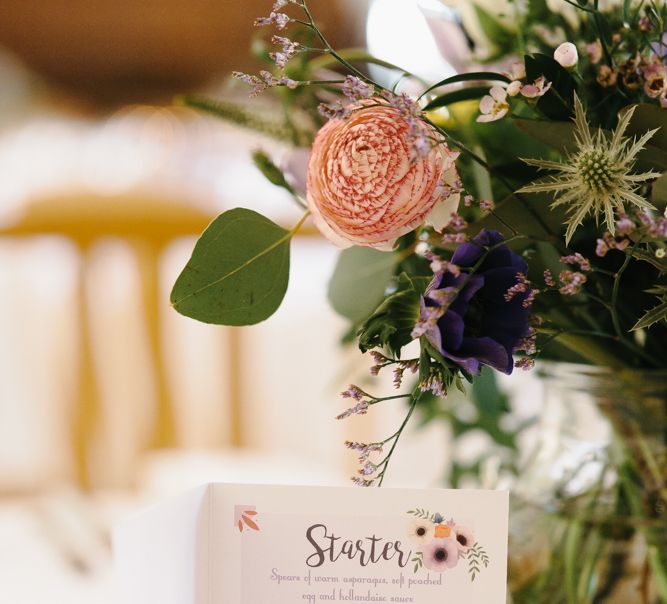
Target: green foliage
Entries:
(486, 409)
(392, 322)
(238, 271)
(656, 314)
(431, 360)
(502, 38)
(473, 76)
(422, 513)
(359, 281)
(492, 406)
(477, 557)
(530, 214)
(649, 117)
(418, 560)
(241, 115)
(558, 135)
(463, 94)
(558, 102)
(270, 171)
(659, 192)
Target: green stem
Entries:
(389, 398)
(330, 49)
(397, 435)
(598, 24)
(593, 352)
(615, 291)
(351, 55)
(580, 7)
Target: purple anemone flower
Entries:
(482, 324)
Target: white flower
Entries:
(420, 531)
(514, 88)
(566, 55)
(494, 105)
(537, 89)
(597, 178)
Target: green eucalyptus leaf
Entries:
(270, 171)
(359, 281)
(238, 271)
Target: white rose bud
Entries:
(566, 55)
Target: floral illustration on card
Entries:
(443, 544)
(244, 517)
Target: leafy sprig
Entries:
(477, 558)
(418, 559)
(422, 514)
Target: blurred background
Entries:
(109, 400)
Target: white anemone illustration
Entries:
(420, 531)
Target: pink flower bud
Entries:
(566, 55)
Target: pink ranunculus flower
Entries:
(365, 185)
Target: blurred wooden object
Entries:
(129, 50)
(148, 226)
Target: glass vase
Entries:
(589, 517)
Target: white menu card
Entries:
(246, 544)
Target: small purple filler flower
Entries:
(480, 327)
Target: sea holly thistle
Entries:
(598, 177)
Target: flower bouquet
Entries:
(511, 212)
